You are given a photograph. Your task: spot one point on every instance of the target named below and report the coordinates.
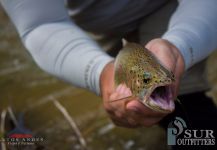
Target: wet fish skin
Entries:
(142, 72)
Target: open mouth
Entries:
(162, 97)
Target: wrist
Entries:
(107, 78)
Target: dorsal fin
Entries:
(124, 42)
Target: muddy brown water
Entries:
(26, 89)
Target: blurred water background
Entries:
(26, 89)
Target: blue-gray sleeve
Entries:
(57, 45)
(193, 29)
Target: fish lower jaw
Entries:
(160, 105)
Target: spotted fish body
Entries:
(140, 70)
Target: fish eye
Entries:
(147, 77)
(146, 80)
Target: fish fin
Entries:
(125, 98)
(124, 42)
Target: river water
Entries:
(31, 93)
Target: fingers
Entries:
(133, 119)
(143, 115)
(137, 107)
(122, 91)
(116, 109)
(170, 57)
(129, 112)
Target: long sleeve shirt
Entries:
(60, 47)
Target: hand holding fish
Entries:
(123, 114)
(147, 88)
(171, 58)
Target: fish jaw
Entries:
(163, 103)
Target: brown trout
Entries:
(148, 80)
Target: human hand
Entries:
(170, 57)
(131, 112)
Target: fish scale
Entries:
(142, 72)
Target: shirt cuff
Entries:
(94, 70)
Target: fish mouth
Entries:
(160, 99)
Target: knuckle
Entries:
(119, 115)
(132, 122)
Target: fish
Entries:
(149, 81)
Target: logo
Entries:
(179, 134)
(21, 139)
